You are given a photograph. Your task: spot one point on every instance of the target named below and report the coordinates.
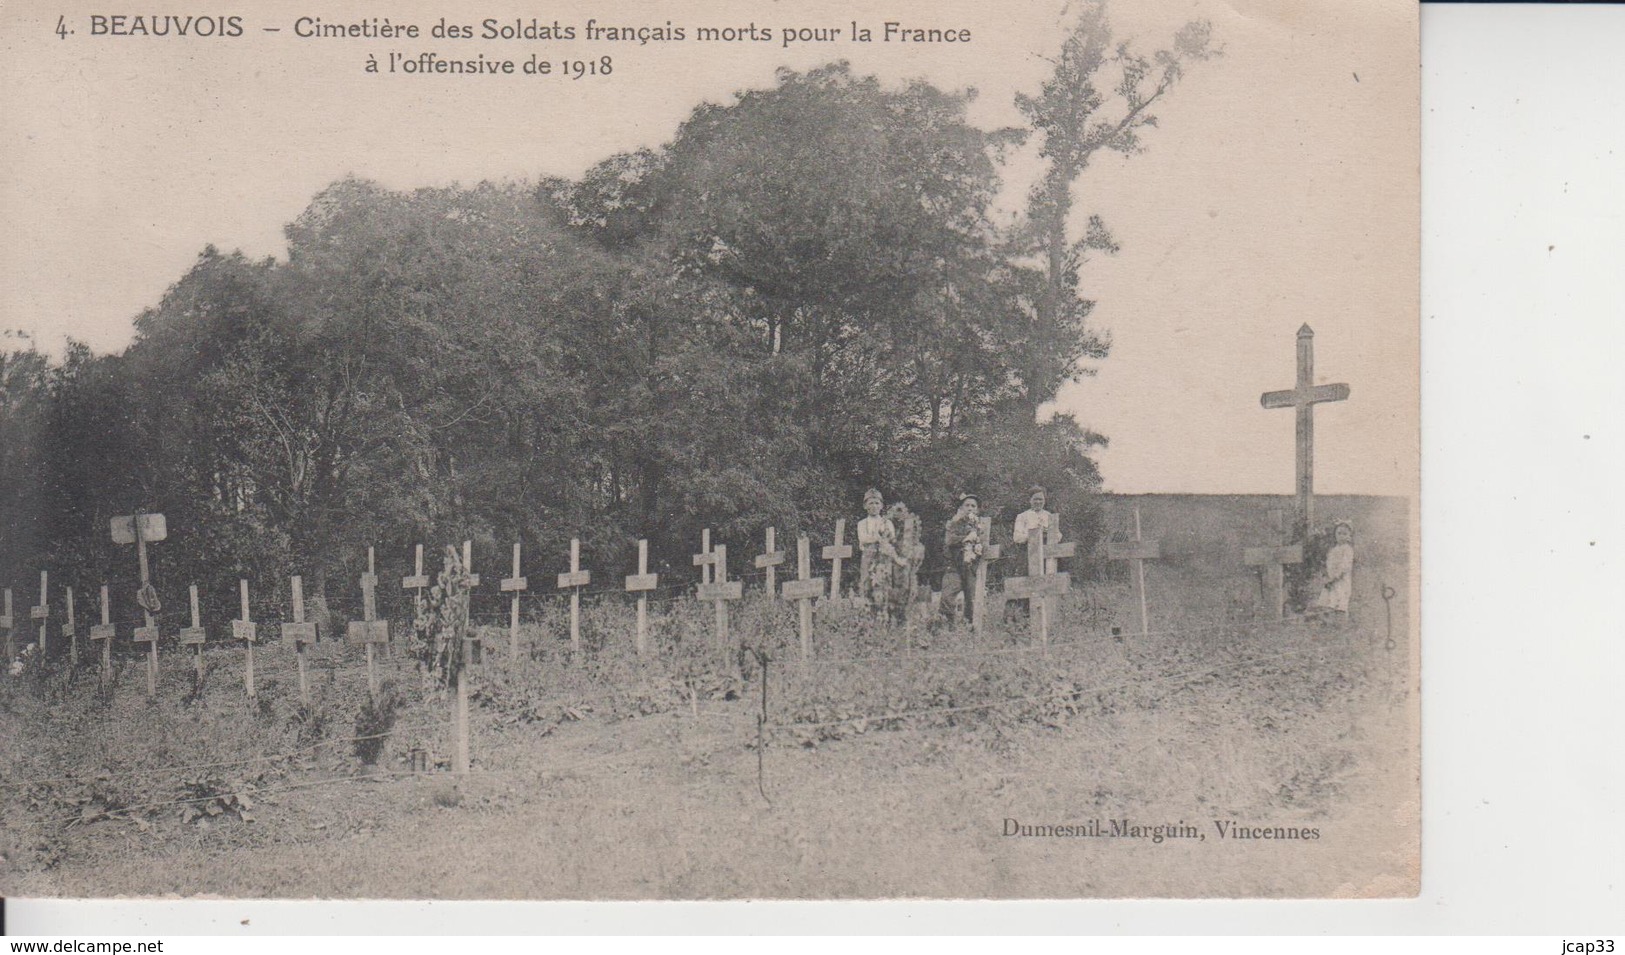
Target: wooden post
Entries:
(468, 568)
(514, 585)
(470, 653)
(300, 633)
(243, 629)
(802, 590)
(720, 591)
(1139, 551)
(1302, 399)
(71, 632)
(369, 630)
(1272, 562)
(837, 552)
(770, 560)
(416, 583)
(195, 636)
(42, 613)
(990, 552)
(104, 632)
(473, 649)
(7, 622)
(1054, 552)
(641, 583)
(149, 635)
(575, 580)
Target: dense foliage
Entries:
(803, 294)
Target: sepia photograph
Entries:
(711, 450)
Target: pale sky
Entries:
(1281, 187)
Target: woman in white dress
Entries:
(1334, 594)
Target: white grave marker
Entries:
(641, 583)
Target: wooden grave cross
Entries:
(149, 635)
(369, 630)
(641, 583)
(301, 633)
(1037, 586)
(802, 590)
(837, 552)
(770, 561)
(416, 583)
(6, 621)
(575, 580)
(195, 636)
(1303, 398)
(472, 650)
(138, 529)
(514, 585)
(104, 632)
(990, 553)
(721, 590)
(1271, 562)
(706, 557)
(71, 632)
(419, 579)
(42, 612)
(1139, 551)
(243, 629)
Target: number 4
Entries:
(62, 27)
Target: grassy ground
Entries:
(890, 769)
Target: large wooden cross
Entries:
(369, 630)
(514, 585)
(641, 583)
(575, 580)
(837, 552)
(802, 590)
(1139, 551)
(103, 631)
(990, 553)
(1303, 399)
(721, 590)
(770, 561)
(301, 633)
(1272, 562)
(195, 636)
(42, 612)
(243, 629)
(1038, 585)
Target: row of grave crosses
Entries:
(1042, 583)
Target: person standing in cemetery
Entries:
(1035, 520)
(1333, 599)
(877, 549)
(905, 583)
(962, 547)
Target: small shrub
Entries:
(372, 726)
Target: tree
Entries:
(1073, 119)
